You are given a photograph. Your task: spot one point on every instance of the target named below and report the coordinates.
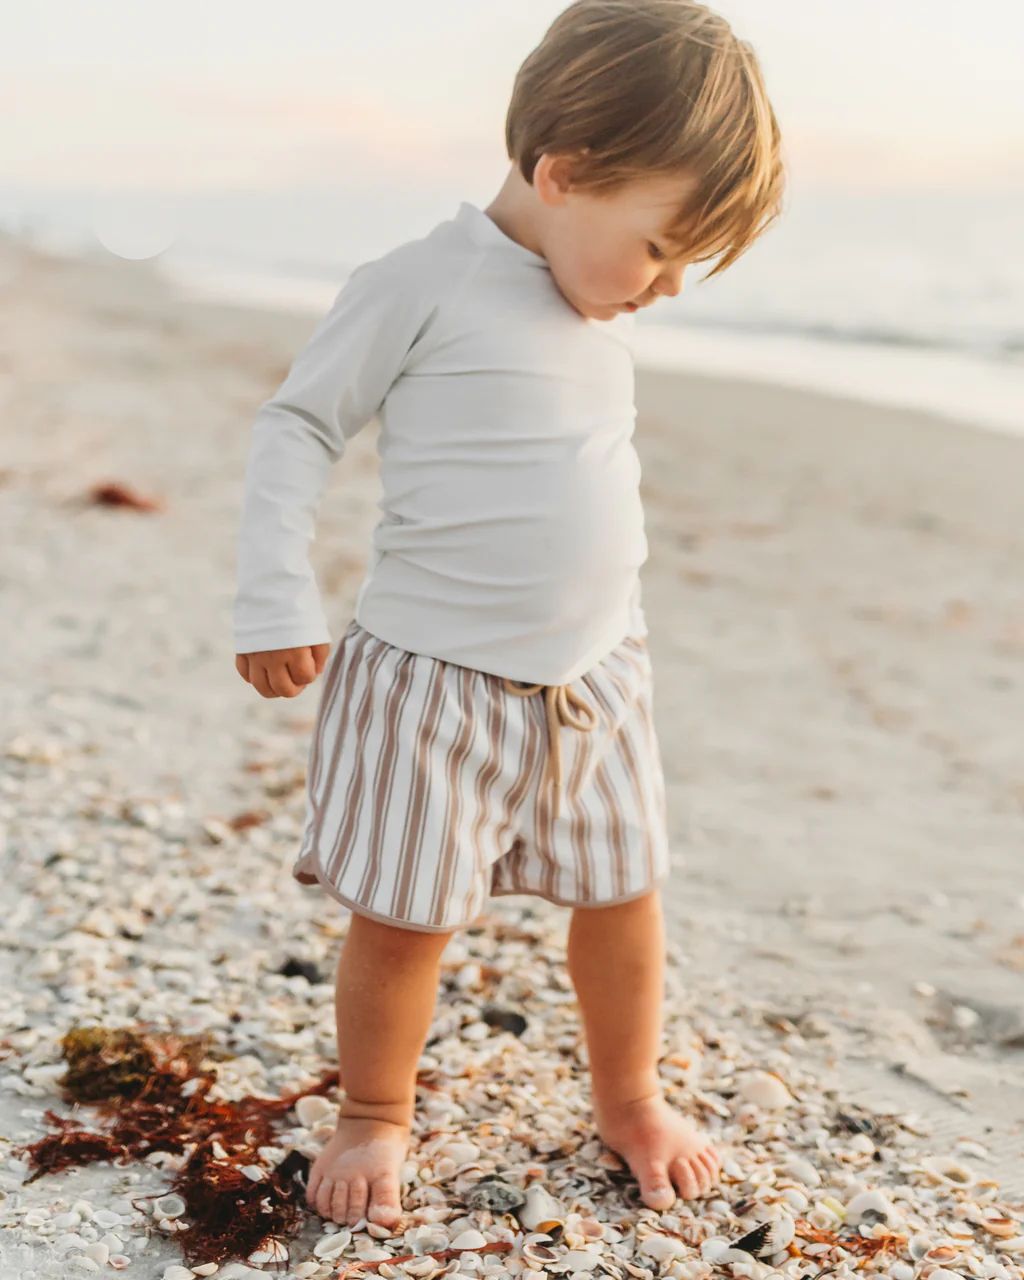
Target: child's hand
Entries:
(282, 673)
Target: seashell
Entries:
(119, 1261)
(870, 1206)
(940, 1273)
(493, 1194)
(106, 1219)
(422, 1268)
(313, 1108)
(957, 1233)
(999, 1226)
(795, 1198)
(171, 1206)
(539, 1254)
(918, 1245)
(834, 1206)
(175, 1272)
(98, 1251)
(471, 1239)
(968, 1147)
(1014, 1245)
(768, 1237)
(661, 1248)
(538, 1206)
(901, 1271)
(714, 1249)
(461, 1152)
(764, 1090)
(323, 1132)
(942, 1253)
(388, 1271)
(428, 1238)
(254, 1172)
(946, 1170)
(740, 1257)
(330, 1246)
(577, 1260)
(271, 1250)
(803, 1171)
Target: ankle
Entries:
(397, 1113)
(619, 1095)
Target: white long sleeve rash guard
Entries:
(512, 529)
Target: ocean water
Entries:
(909, 298)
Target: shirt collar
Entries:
(486, 232)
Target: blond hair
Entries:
(635, 89)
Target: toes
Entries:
(709, 1158)
(685, 1179)
(329, 1196)
(385, 1205)
(357, 1194)
(656, 1190)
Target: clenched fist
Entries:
(282, 673)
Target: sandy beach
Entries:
(836, 613)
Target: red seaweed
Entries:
(134, 1077)
(116, 494)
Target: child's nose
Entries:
(670, 283)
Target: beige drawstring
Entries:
(557, 698)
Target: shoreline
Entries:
(950, 383)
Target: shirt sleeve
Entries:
(336, 385)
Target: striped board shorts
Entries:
(431, 786)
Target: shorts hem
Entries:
(358, 909)
(568, 902)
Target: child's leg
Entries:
(384, 998)
(616, 959)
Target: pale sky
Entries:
(210, 93)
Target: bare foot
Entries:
(665, 1151)
(357, 1173)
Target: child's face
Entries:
(608, 254)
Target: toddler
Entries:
(485, 721)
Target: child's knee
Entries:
(394, 940)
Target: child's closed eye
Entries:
(655, 252)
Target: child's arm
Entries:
(334, 387)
